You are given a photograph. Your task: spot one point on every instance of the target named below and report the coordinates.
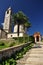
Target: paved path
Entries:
(33, 57)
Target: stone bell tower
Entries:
(7, 20)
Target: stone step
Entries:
(36, 49)
(33, 56)
(35, 52)
(35, 59)
(30, 62)
(20, 64)
(31, 59)
(34, 64)
(36, 55)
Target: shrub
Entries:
(19, 39)
(2, 43)
(9, 61)
(22, 39)
(12, 44)
(19, 55)
(12, 62)
(31, 38)
(13, 55)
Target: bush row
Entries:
(22, 39)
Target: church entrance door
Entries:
(37, 38)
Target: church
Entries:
(6, 31)
(37, 37)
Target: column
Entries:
(35, 39)
(39, 38)
(15, 28)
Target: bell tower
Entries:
(7, 20)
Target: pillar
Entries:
(15, 28)
(39, 38)
(35, 39)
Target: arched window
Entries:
(8, 12)
(11, 35)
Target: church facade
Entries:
(6, 32)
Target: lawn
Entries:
(12, 42)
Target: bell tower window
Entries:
(8, 12)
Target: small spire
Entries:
(9, 8)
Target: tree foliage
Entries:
(31, 38)
(21, 18)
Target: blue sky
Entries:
(32, 8)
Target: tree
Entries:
(21, 18)
(31, 38)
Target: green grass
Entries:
(13, 42)
(41, 40)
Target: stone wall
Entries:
(9, 51)
(3, 34)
